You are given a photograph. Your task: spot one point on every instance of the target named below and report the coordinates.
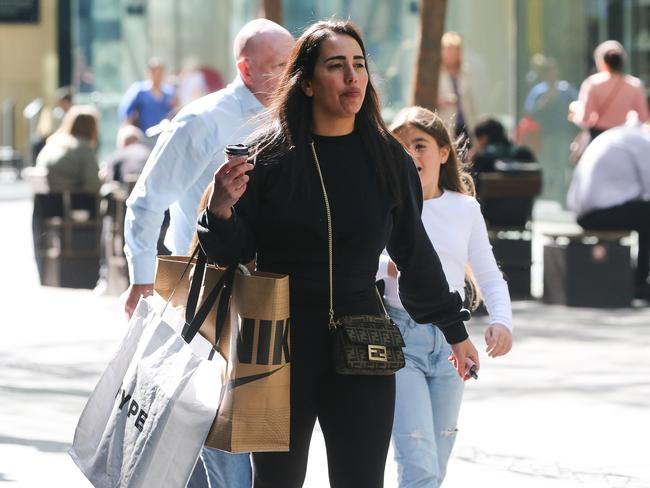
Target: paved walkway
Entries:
(568, 408)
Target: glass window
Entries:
(555, 44)
(389, 34)
(112, 42)
(488, 31)
(637, 37)
(98, 63)
(504, 43)
(553, 59)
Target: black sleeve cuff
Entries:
(215, 224)
(218, 238)
(455, 333)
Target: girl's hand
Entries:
(498, 339)
(229, 185)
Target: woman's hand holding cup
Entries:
(229, 185)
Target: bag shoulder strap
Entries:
(332, 321)
(195, 285)
(187, 267)
(611, 96)
(221, 292)
(194, 318)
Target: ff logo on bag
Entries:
(133, 409)
(272, 345)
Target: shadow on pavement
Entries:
(40, 444)
(82, 393)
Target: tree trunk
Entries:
(427, 66)
(273, 10)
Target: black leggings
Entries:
(634, 215)
(355, 415)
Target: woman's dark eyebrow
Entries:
(419, 139)
(342, 58)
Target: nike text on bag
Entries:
(254, 411)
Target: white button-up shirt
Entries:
(614, 169)
(179, 170)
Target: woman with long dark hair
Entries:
(429, 392)
(326, 133)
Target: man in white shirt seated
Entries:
(182, 165)
(610, 190)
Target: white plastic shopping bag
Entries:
(148, 417)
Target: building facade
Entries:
(109, 42)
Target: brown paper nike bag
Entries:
(254, 412)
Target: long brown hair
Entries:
(291, 110)
(453, 174)
(81, 121)
(203, 204)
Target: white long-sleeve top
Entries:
(456, 228)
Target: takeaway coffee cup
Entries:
(236, 150)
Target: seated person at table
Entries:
(610, 190)
(492, 144)
(69, 154)
(496, 154)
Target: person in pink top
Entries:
(607, 97)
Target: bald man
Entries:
(181, 166)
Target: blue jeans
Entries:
(218, 469)
(429, 394)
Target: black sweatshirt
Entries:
(287, 232)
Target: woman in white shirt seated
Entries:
(429, 390)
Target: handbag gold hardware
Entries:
(377, 353)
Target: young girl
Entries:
(429, 391)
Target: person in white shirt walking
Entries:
(610, 190)
(429, 391)
(182, 165)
